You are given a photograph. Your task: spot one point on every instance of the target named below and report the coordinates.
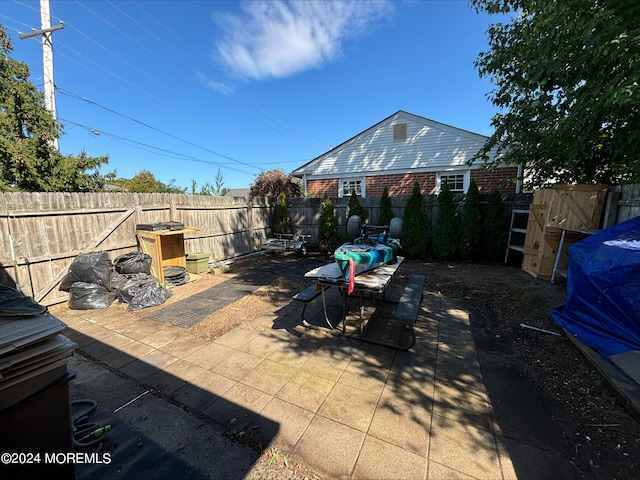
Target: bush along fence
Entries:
(427, 232)
(41, 233)
(623, 203)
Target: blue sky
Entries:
(184, 88)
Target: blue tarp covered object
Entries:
(602, 308)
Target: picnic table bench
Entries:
(307, 296)
(409, 304)
(373, 282)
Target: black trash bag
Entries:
(132, 263)
(89, 296)
(118, 281)
(143, 291)
(92, 267)
(133, 285)
(149, 296)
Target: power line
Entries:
(131, 39)
(286, 132)
(227, 79)
(110, 74)
(165, 152)
(122, 82)
(73, 95)
(154, 79)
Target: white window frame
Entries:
(342, 181)
(466, 180)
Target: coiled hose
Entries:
(86, 434)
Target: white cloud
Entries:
(275, 39)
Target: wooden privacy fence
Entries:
(552, 213)
(563, 215)
(41, 233)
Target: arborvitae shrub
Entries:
(283, 220)
(327, 231)
(471, 227)
(355, 208)
(386, 211)
(447, 229)
(416, 230)
(496, 228)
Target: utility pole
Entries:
(47, 58)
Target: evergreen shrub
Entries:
(355, 208)
(416, 229)
(283, 220)
(496, 227)
(447, 228)
(327, 231)
(386, 210)
(471, 240)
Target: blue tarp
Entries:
(602, 308)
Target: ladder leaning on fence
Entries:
(516, 232)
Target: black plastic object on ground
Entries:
(132, 263)
(175, 275)
(89, 296)
(118, 281)
(142, 291)
(92, 267)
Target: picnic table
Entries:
(370, 284)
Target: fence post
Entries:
(172, 210)
(251, 239)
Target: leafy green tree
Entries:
(283, 220)
(142, 182)
(271, 183)
(566, 83)
(327, 231)
(471, 225)
(219, 189)
(170, 187)
(355, 208)
(447, 229)
(386, 210)
(496, 228)
(28, 159)
(416, 229)
(208, 188)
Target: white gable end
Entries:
(428, 146)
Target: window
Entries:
(351, 185)
(458, 182)
(400, 132)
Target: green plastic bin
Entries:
(198, 262)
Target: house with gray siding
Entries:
(397, 152)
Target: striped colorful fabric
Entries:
(365, 256)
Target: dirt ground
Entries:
(601, 437)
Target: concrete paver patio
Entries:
(341, 407)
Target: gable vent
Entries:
(399, 132)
